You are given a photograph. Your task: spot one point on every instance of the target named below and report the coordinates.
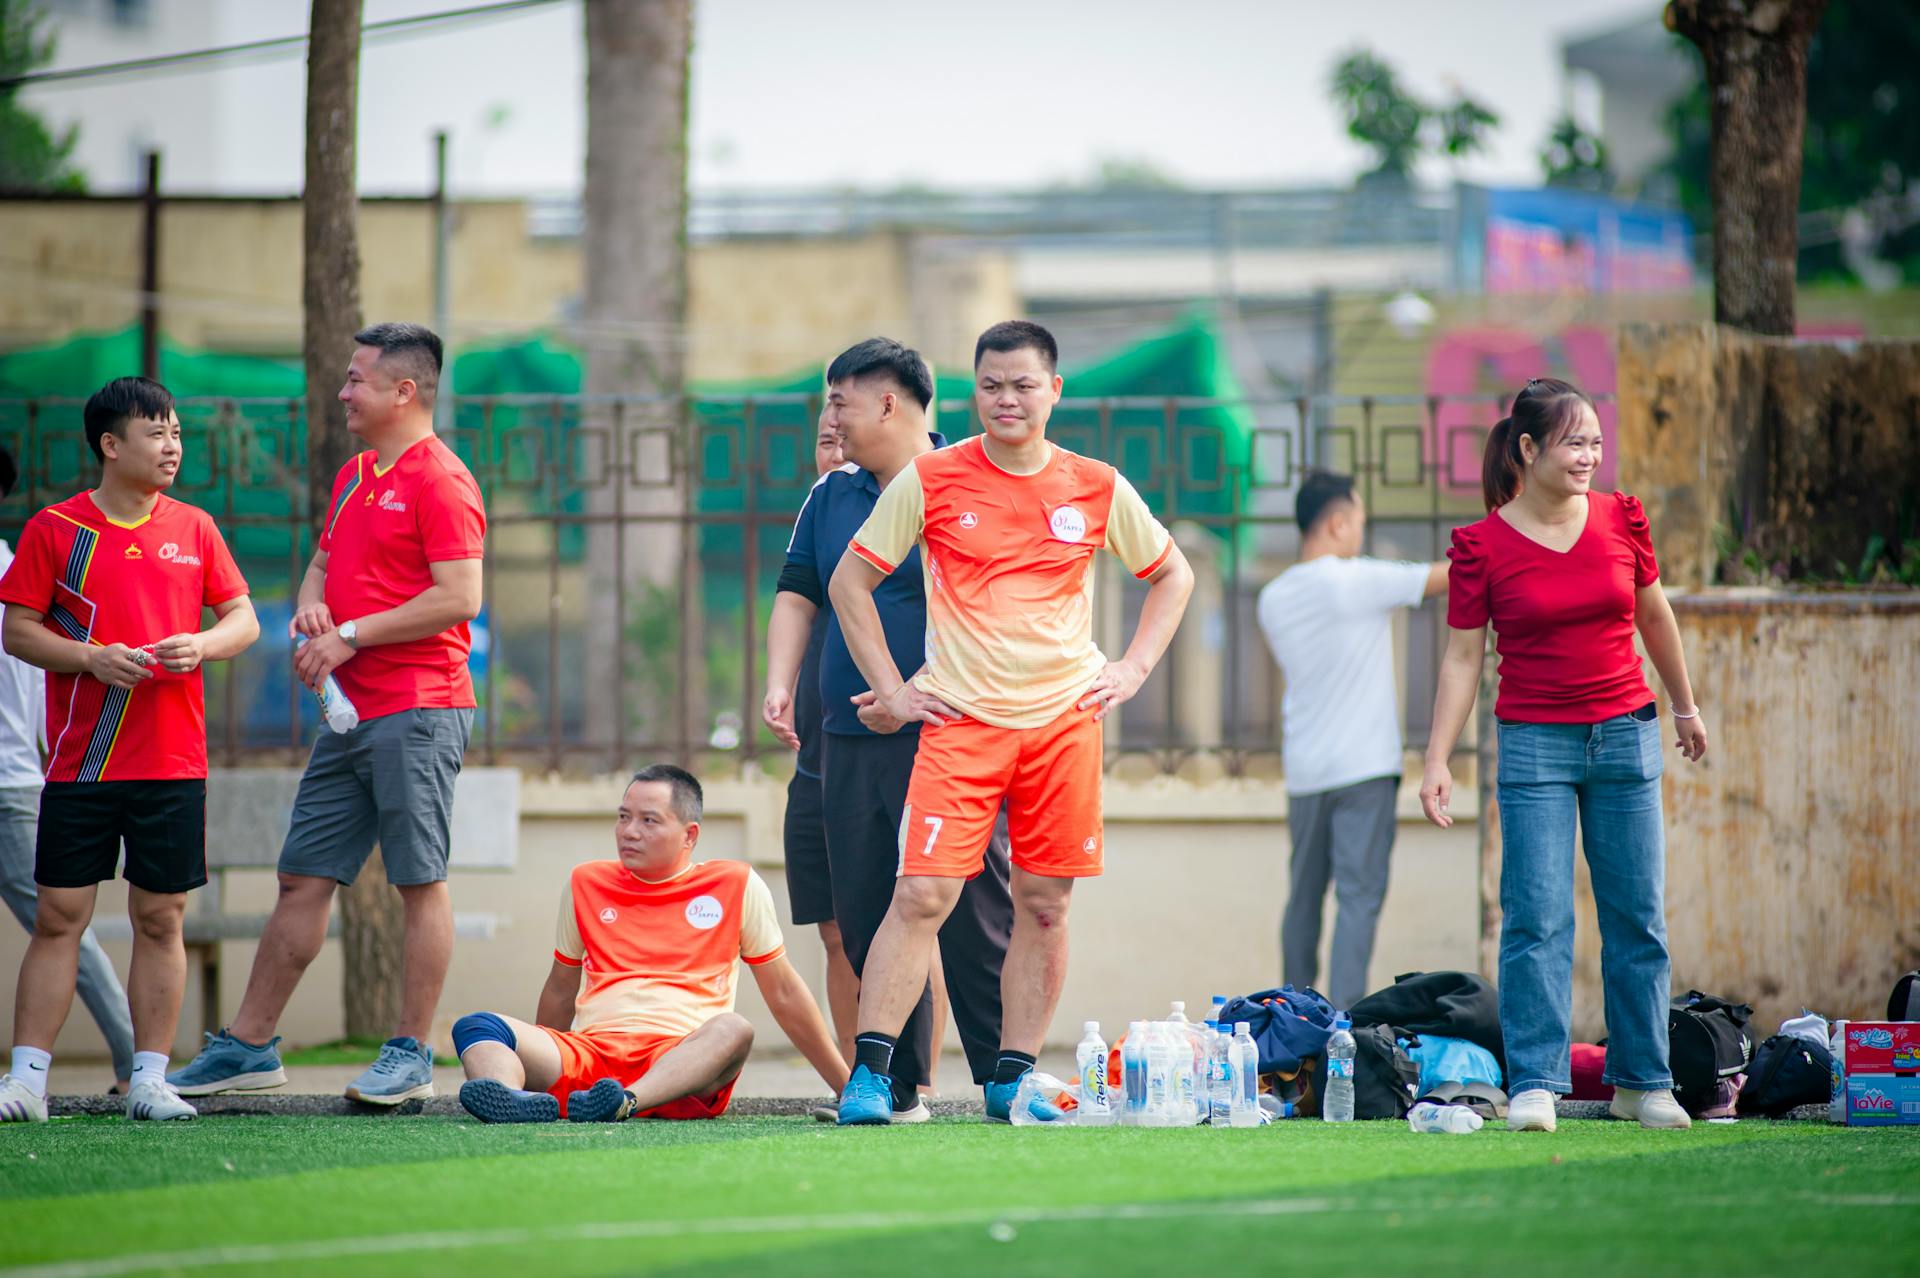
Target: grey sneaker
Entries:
(227, 1064)
(403, 1072)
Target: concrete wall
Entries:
(230, 279)
(1189, 906)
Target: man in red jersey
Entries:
(384, 608)
(658, 939)
(105, 595)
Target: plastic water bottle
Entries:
(1454, 1119)
(1243, 1104)
(1133, 1074)
(1837, 1075)
(1190, 1068)
(1337, 1105)
(1161, 1056)
(1220, 1078)
(1096, 1106)
(1040, 1101)
(335, 708)
(1213, 1013)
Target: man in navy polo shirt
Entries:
(877, 397)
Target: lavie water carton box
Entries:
(1883, 1100)
(1876, 1073)
(1880, 1047)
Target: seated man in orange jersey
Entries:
(653, 1034)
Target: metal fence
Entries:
(633, 548)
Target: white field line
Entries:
(618, 1230)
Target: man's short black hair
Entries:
(689, 801)
(884, 357)
(9, 471)
(1320, 490)
(411, 350)
(119, 401)
(1019, 335)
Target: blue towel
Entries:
(1452, 1060)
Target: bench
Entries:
(247, 811)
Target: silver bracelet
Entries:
(1695, 715)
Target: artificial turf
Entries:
(88, 1198)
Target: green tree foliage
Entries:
(1862, 151)
(1383, 114)
(1573, 157)
(31, 157)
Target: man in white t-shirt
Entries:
(1328, 620)
(23, 732)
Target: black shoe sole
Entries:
(492, 1101)
(605, 1102)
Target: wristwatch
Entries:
(350, 631)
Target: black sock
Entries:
(1012, 1065)
(874, 1050)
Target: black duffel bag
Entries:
(1787, 1072)
(1707, 1040)
(1452, 1004)
(1386, 1078)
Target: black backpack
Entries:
(1904, 1003)
(1787, 1071)
(1386, 1078)
(1708, 1040)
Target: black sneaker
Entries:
(605, 1102)
(492, 1101)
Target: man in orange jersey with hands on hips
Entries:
(636, 1017)
(1011, 695)
(105, 594)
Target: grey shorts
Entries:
(389, 779)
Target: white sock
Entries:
(149, 1067)
(30, 1066)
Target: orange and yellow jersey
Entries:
(661, 958)
(102, 582)
(1008, 562)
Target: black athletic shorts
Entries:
(809, 886)
(83, 823)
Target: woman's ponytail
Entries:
(1500, 465)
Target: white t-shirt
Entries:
(23, 713)
(1328, 622)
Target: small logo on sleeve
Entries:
(704, 912)
(1067, 524)
(609, 914)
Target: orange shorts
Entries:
(587, 1056)
(1050, 778)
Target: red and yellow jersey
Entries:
(385, 531)
(1008, 564)
(102, 582)
(661, 958)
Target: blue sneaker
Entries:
(1000, 1101)
(226, 1064)
(605, 1102)
(866, 1099)
(492, 1101)
(1000, 1105)
(402, 1072)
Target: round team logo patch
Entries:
(704, 912)
(1068, 524)
(1089, 846)
(609, 914)
(969, 520)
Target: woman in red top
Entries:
(1565, 576)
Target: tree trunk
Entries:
(635, 259)
(370, 915)
(1756, 61)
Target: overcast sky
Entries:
(994, 93)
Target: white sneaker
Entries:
(1656, 1109)
(19, 1104)
(1531, 1111)
(159, 1102)
(918, 1114)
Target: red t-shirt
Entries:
(385, 529)
(102, 582)
(1562, 623)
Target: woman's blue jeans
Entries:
(1608, 776)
